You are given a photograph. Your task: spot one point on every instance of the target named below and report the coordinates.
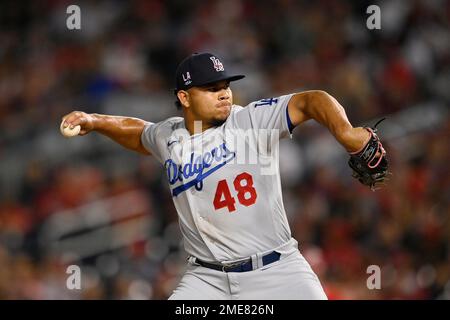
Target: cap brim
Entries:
(229, 78)
(224, 77)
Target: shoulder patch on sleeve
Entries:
(266, 102)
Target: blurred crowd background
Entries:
(86, 201)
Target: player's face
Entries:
(211, 103)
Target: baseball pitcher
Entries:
(221, 162)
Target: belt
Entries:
(242, 266)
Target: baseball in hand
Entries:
(67, 132)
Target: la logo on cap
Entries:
(217, 64)
(187, 79)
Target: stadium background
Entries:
(87, 201)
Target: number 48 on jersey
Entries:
(243, 185)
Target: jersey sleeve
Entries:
(270, 114)
(150, 141)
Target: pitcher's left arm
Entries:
(367, 155)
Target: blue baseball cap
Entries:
(200, 69)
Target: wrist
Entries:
(96, 121)
(356, 139)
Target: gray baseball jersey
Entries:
(225, 181)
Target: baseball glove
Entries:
(370, 165)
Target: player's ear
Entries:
(183, 96)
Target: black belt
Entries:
(241, 267)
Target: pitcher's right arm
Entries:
(126, 131)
